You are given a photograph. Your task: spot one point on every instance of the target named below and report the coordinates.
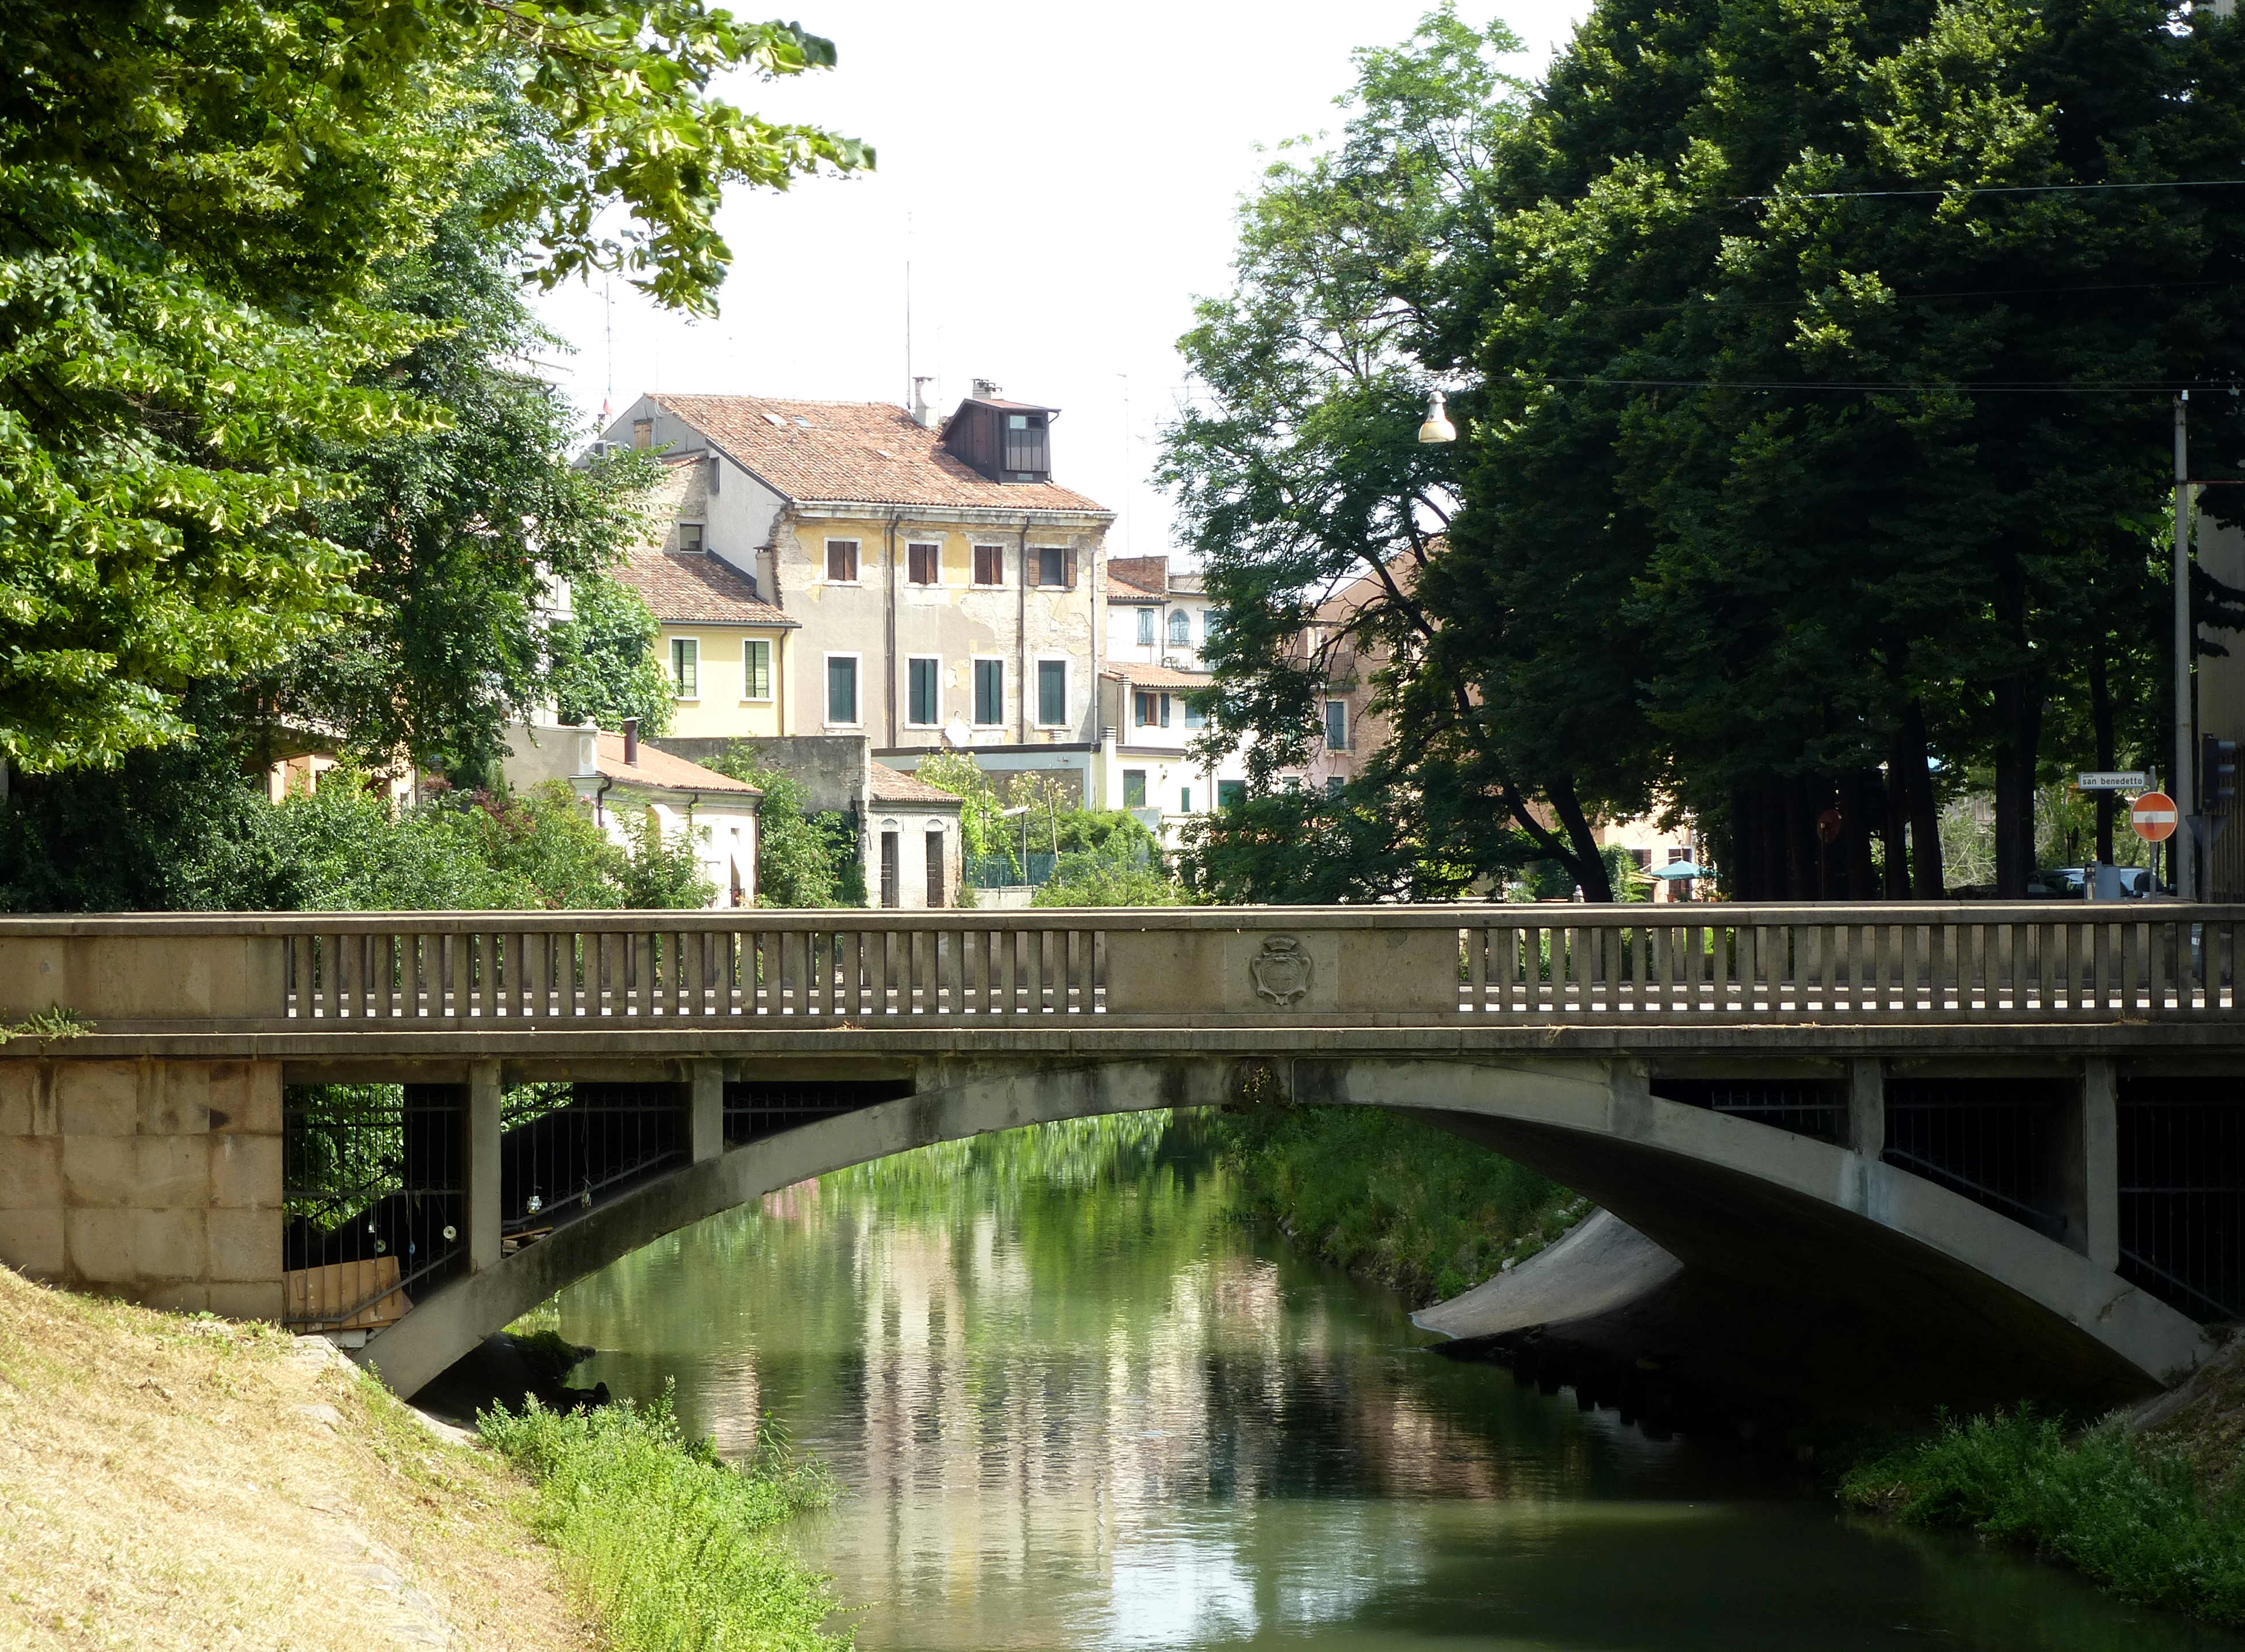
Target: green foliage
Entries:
(56, 1022)
(674, 1549)
(2126, 1513)
(802, 858)
(984, 832)
(1120, 870)
(1381, 1194)
(1302, 847)
(603, 665)
(661, 869)
(224, 388)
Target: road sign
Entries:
(2153, 815)
(2126, 780)
(1829, 825)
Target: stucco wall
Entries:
(722, 711)
(156, 1181)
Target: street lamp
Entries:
(1437, 427)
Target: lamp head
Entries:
(1437, 427)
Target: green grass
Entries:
(675, 1550)
(2131, 1515)
(1383, 1195)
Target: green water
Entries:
(1073, 1406)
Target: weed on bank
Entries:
(2130, 1514)
(675, 1550)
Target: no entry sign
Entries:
(2154, 817)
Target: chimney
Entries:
(923, 415)
(986, 391)
(631, 741)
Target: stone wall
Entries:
(155, 1181)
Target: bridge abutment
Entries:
(157, 1181)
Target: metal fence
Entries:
(2182, 1192)
(754, 1111)
(374, 1188)
(1814, 1107)
(1995, 1141)
(567, 1148)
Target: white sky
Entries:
(1065, 181)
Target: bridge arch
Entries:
(1744, 1199)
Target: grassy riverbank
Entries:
(673, 1549)
(2151, 1505)
(177, 1482)
(1383, 1195)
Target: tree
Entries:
(603, 664)
(192, 335)
(804, 858)
(1297, 468)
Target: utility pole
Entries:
(2183, 862)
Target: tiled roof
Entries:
(699, 587)
(868, 452)
(1157, 676)
(1147, 573)
(659, 768)
(889, 785)
(1117, 590)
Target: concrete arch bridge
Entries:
(2020, 1129)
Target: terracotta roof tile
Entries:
(1157, 676)
(868, 452)
(698, 588)
(889, 785)
(659, 768)
(1118, 591)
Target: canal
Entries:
(1071, 1403)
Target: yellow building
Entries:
(723, 647)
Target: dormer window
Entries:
(1028, 453)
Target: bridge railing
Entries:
(1470, 963)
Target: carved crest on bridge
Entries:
(1282, 971)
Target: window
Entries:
(923, 566)
(1180, 629)
(1145, 627)
(1134, 789)
(1195, 712)
(842, 561)
(1052, 565)
(756, 668)
(989, 565)
(936, 882)
(1333, 785)
(689, 539)
(1143, 706)
(924, 702)
(989, 692)
(891, 871)
(1027, 452)
(1337, 725)
(1052, 691)
(1212, 627)
(1231, 794)
(842, 688)
(1185, 800)
(686, 668)
(716, 474)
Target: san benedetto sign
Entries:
(2127, 780)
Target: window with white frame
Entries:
(989, 565)
(1180, 629)
(842, 561)
(1145, 627)
(756, 668)
(989, 693)
(686, 668)
(1337, 725)
(842, 690)
(923, 564)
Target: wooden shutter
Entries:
(1070, 566)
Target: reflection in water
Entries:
(1074, 1404)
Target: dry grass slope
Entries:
(170, 1482)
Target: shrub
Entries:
(675, 1550)
(2129, 1514)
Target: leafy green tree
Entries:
(1299, 474)
(192, 329)
(603, 666)
(1296, 847)
(803, 857)
(984, 832)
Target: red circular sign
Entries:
(2153, 815)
